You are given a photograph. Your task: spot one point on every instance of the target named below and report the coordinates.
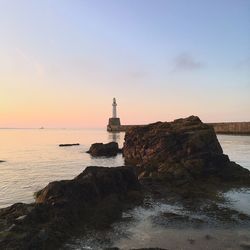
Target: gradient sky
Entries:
(62, 62)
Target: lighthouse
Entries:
(114, 108)
(114, 124)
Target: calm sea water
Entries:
(33, 157)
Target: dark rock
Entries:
(101, 149)
(224, 214)
(12, 213)
(175, 217)
(69, 145)
(180, 152)
(111, 248)
(1, 161)
(245, 245)
(191, 241)
(150, 248)
(208, 237)
(167, 219)
(95, 198)
(92, 183)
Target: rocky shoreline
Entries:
(165, 210)
(95, 198)
(180, 161)
(98, 197)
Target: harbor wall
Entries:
(236, 128)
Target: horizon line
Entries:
(101, 127)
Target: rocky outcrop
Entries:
(180, 152)
(94, 198)
(101, 149)
(150, 248)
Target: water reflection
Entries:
(115, 136)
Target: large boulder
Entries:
(95, 198)
(93, 183)
(180, 151)
(101, 149)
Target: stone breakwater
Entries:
(240, 128)
(237, 128)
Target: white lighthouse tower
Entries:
(114, 108)
(114, 124)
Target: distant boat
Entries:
(42, 128)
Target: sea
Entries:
(32, 158)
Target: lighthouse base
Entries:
(114, 125)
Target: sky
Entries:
(62, 61)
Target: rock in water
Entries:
(94, 198)
(93, 183)
(69, 145)
(100, 149)
(180, 151)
